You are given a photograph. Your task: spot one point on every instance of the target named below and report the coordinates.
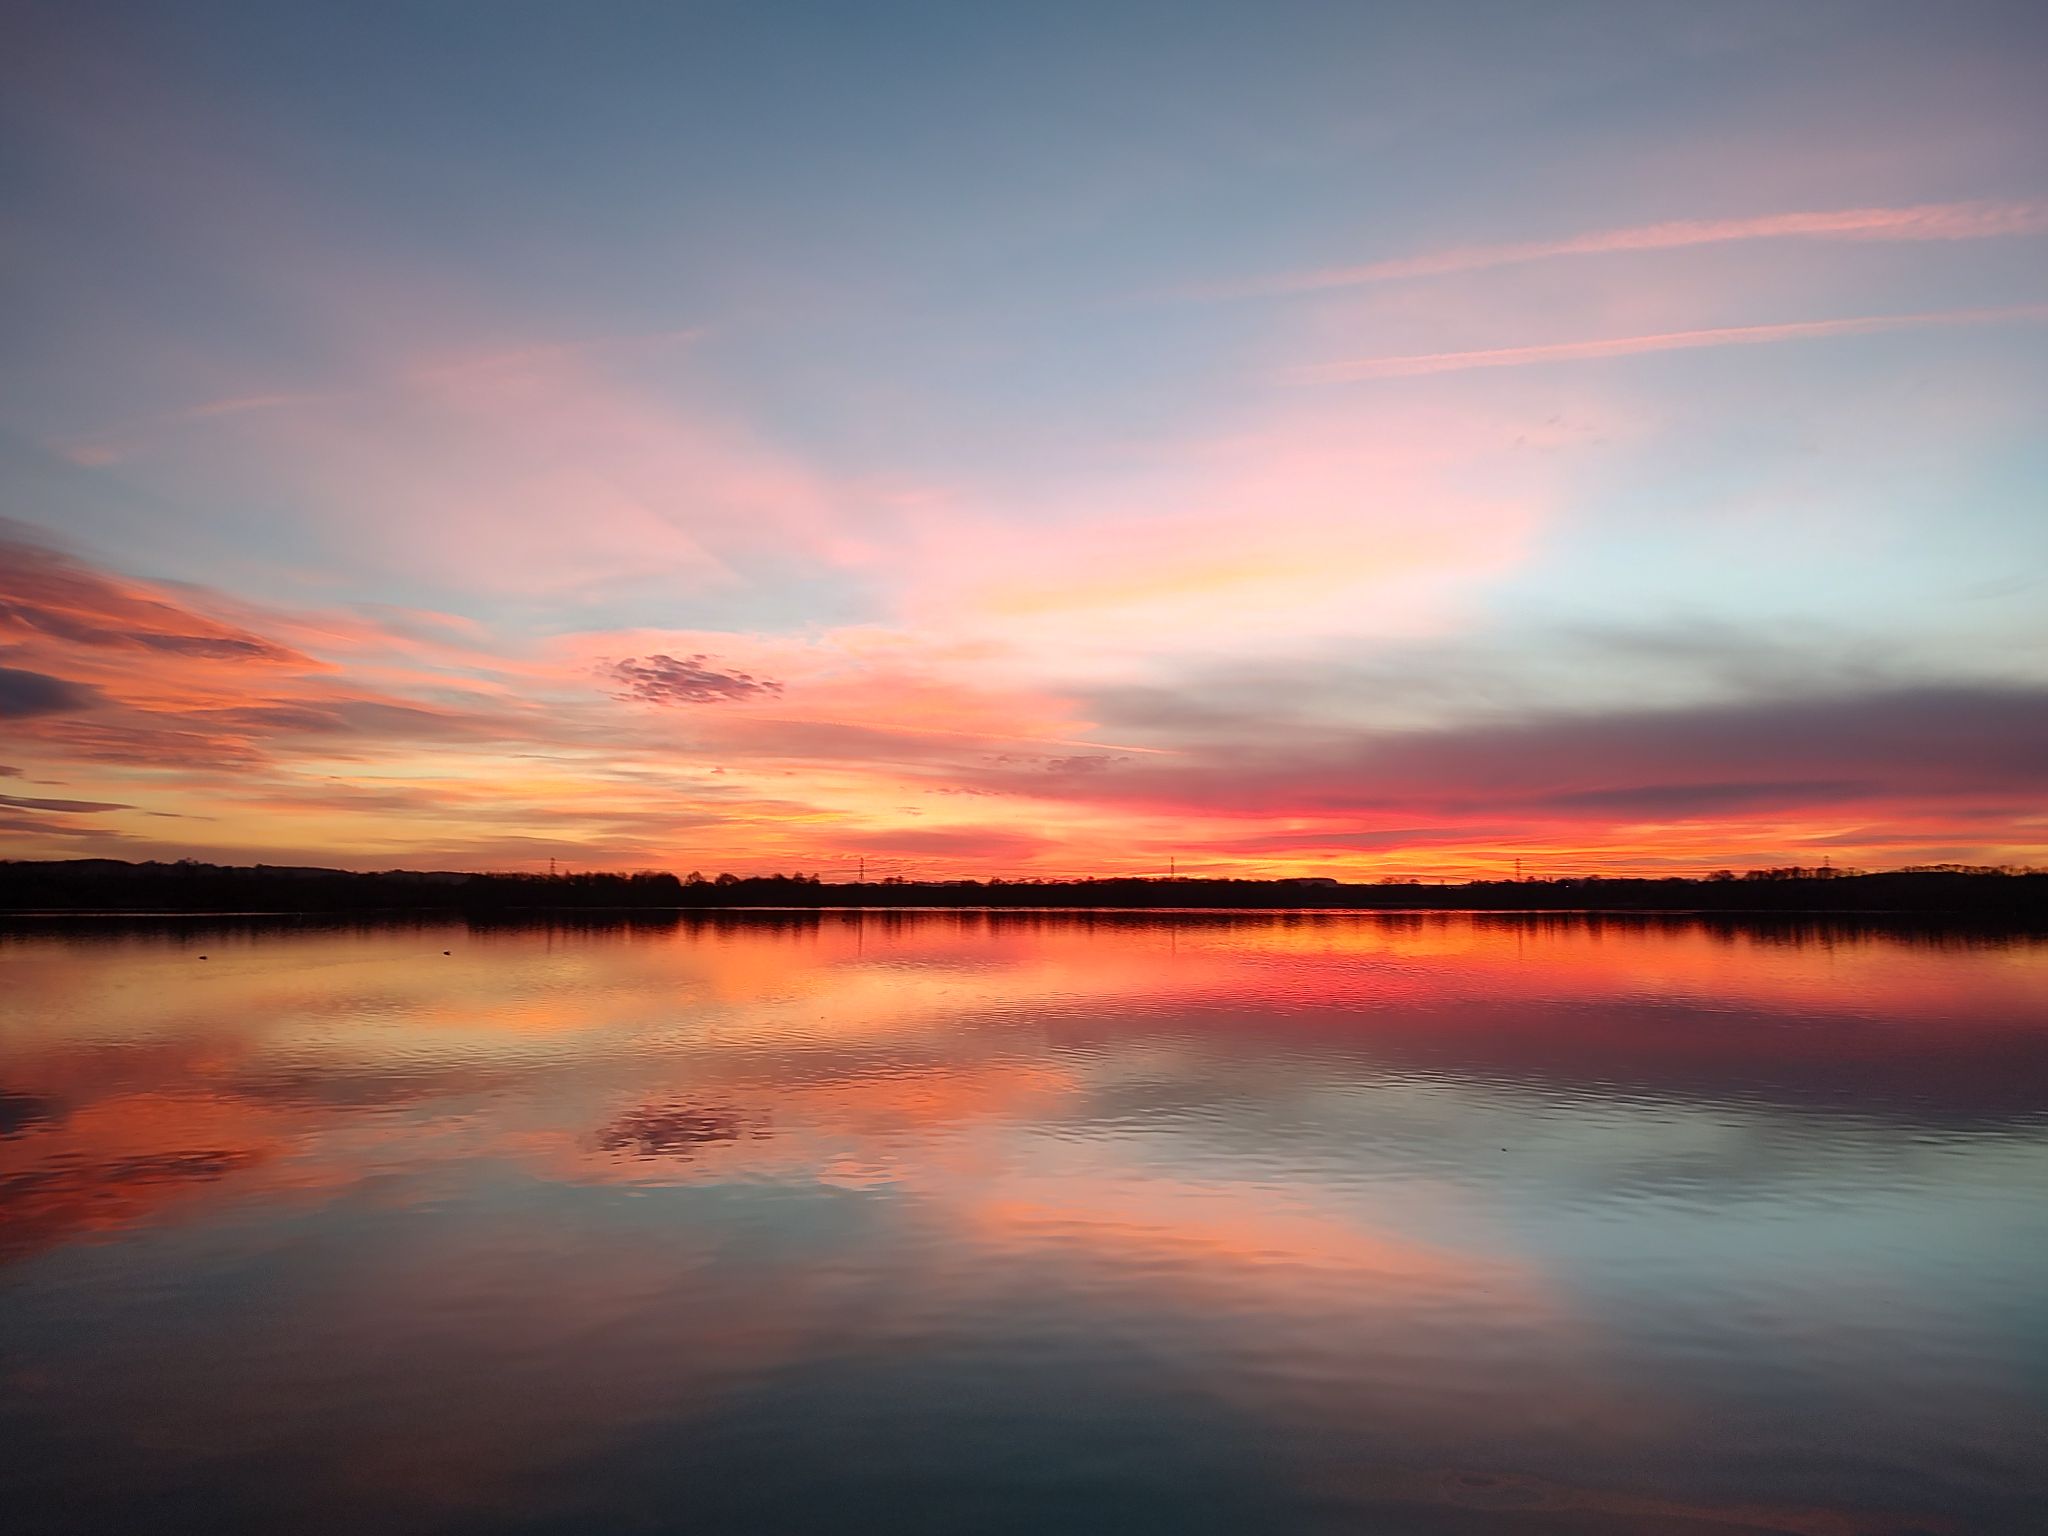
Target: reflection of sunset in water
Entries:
(1645, 1226)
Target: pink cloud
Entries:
(1308, 524)
(49, 602)
(1410, 364)
(957, 760)
(542, 473)
(1921, 221)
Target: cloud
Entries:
(1654, 801)
(110, 445)
(172, 685)
(664, 679)
(45, 594)
(1921, 221)
(1905, 750)
(24, 695)
(40, 826)
(542, 471)
(25, 804)
(1349, 753)
(1070, 763)
(969, 843)
(1407, 365)
(1082, 762)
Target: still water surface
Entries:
(959, 1223)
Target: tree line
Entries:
(188, 886)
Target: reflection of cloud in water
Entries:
(1397, 1198)
(20, 1112)
(679, 1130)
(43, 1205)
(129, 1160)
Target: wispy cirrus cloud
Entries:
(1919, 221)
(111, 444)
(1406, 365)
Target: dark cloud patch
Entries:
(216, 647)
(1704, 799)
(25, 695)
(1937, 743)
(663, 679)
(1958, 738)
(24, 803)
(1542, 670)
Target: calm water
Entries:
(1024, 1224)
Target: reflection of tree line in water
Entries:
(113, 885)
(1957, 931)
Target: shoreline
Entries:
(1064, 909)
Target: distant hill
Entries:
(114, 885)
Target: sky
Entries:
(958, 440)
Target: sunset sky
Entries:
(1041, 439)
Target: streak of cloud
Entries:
(110, 445)
(26, 803)
(1921, 221)
(1407, 365)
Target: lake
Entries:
(1064, 1223)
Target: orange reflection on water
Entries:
(166, 1072)
(1329, 1175)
